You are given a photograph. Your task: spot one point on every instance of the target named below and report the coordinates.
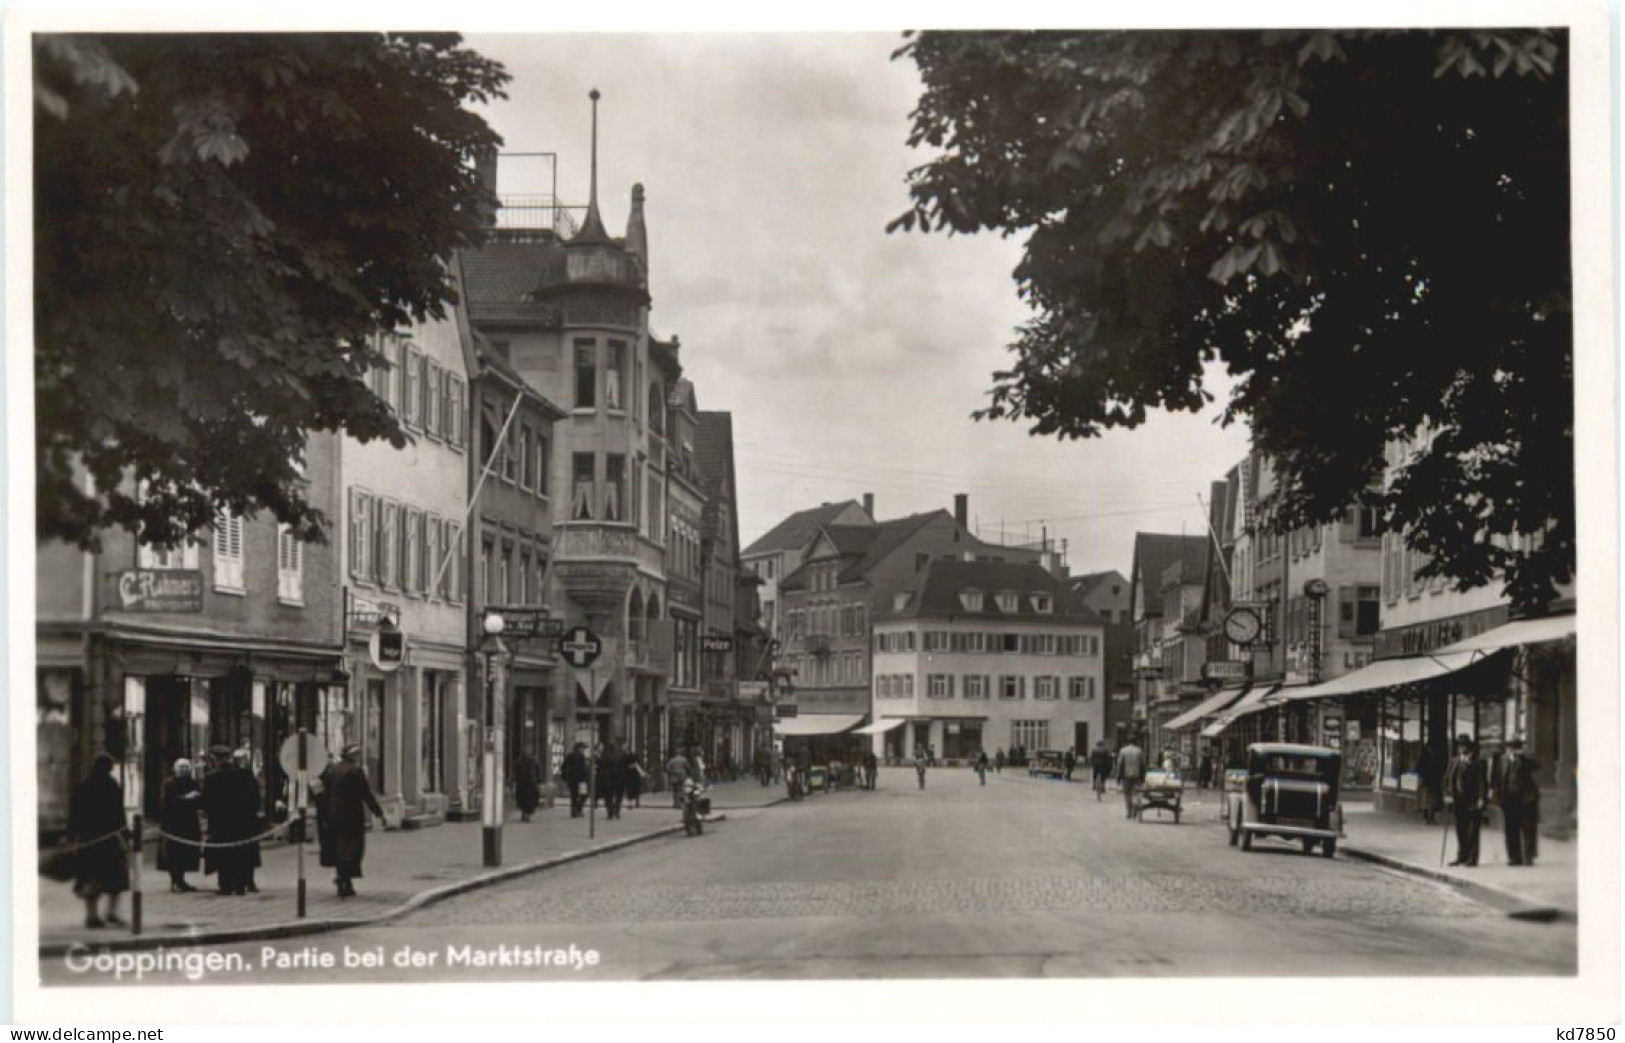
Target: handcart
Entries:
(1162, 791)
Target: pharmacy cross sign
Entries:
(580, 647)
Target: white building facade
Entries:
(983, 656)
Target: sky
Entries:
(850, 359)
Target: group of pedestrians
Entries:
(1470, 785)
(617, 777)
(215, 824)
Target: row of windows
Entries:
(828, 620)
(404, 548)
(1008, 601)
(426, 396)
(1361, 524)
(511, 575)
(839, 668)
(523, 458)
(229, 552)
(982, 643)
(981, 686)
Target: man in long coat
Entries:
(1465, 788)
(231, 800)
(574, 772)
(611, 780)
(1518, 795)
(342, 808)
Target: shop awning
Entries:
(1390, 673)
(1252, 702)
(816, 724)
(1518, 632)
(882, 726)
(1208, 707)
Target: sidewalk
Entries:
(1545, 890)
(404, 869)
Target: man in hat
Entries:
(1465, 790)
(342, 808)
(1514, 789)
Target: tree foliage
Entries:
(1368, 230)
(223, 224)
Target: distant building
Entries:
(1162, 565)
(1106, 593)
(781, 550)
(973, 656)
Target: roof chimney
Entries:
(869, 504)
(485, 175)
(962, 510)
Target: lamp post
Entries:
(493, 652)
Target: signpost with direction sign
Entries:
(581, 648)
(299, 754)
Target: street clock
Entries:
(1242, 626)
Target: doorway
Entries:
(1080, 737)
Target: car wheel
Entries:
(1246, 841)
(1308, 845)
(1328, 848)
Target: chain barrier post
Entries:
(135, 873)
(301, 788)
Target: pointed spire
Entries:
(592, 227)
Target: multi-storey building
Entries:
(736, 733)
(512, 483)
(233, 639)
(973, 656)
(1108, 595)
(781, 550)
(1154, 553)
(692, 723)
(404, 565)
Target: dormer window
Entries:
(1043, 603)
(1006, 601)
(902, 600)
(972, 600)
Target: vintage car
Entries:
(1290, 792)
(1047, 762)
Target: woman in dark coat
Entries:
(102, 867)
(527, 785)
(231, 799)
(633, 778)
(341, 809)
(1429, 776)
(178, 815)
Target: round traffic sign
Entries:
(315, 754)
(580, 647)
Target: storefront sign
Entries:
(1224, 670)
(160, 590)
(1436, 633)
(784, 710)
(716, 643)
(387, 648)
(1331, 725)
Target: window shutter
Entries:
(432, 400)
(1345, 526)
(1345, 611)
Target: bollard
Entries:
(135, 874)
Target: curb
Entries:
(1513, 905)
(297, 928)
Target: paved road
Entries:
(1020, 878)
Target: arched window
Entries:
(634, 616)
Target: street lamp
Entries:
(493, 652)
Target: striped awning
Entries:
(817, 724)
(1209, 707)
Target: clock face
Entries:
(1242, 626)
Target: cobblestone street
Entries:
(1018, 878)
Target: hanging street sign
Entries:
(387, 647)
(580, 647)
(518, 623)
